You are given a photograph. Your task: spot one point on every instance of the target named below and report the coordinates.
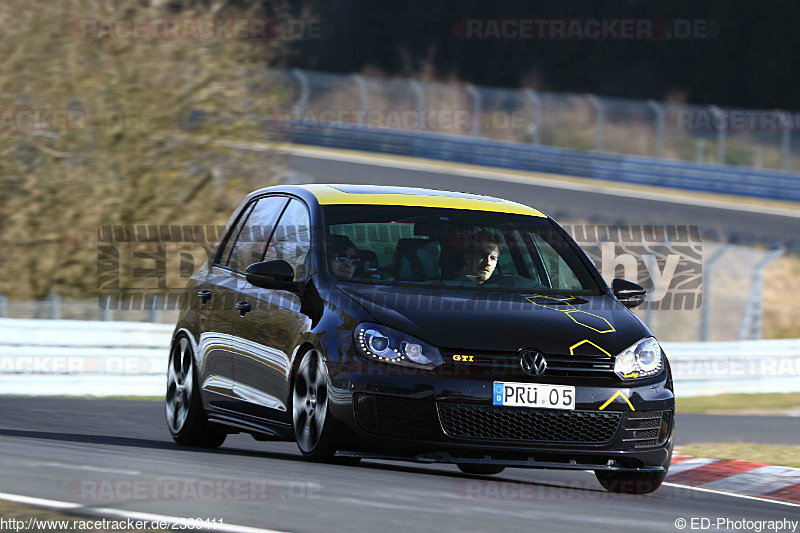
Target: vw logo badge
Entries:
(532, 363)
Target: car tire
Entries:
(630, 482)
(481, 470)
(311, 420)
(186, 417)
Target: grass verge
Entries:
(739, 403)
(773, 454)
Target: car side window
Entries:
(224, 254)
(292, 238)
(256, 231)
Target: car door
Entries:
(217, 342)
(216, 296)
(267, 333)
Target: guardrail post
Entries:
(721, 123)
(105, 307)
(705, 309)
(600, 115)
(786, 139)
(477, 107)
(54, 307)
(536, 104)
(154, 314)
(302, 99)
(362, 92)
(753, 321)
(659, 111)
(3, 305)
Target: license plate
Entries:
(533, 395)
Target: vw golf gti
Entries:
(423, 325)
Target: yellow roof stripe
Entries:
(327, 195)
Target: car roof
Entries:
(342, 194)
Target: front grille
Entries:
(579, 365)
(504, 364)
(525, 424)
(645, 429)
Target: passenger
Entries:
(481, 254)
(343, 257)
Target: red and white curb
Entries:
(739, 477)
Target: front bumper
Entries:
(384, 412)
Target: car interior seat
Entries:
(416, 259)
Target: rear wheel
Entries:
(186, 417)
(630, 482)
(481, 470)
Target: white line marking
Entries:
(119, 513)
(88, 468)
(723, 493)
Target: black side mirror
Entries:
(628, 293)
(271, 275)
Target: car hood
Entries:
(494, 321)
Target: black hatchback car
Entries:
(432, 326)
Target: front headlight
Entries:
(391, 346)
(642, 359)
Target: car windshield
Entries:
(443, 248)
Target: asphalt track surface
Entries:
(564, 204)
(55, 448)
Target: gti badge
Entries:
(532, 362)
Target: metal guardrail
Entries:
(70, 357)
(727, 179)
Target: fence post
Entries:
(705, 310)
(3, 305)
(753, 321)
(54, 307)
(477, 108)
(536, 103)
(302, 100)
(362, 92)
(659, 110)
(698, 150)
(599, 121)
(722, 132)
(419, 98)
(786, 139)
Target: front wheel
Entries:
(630, 482)
(310, 409)
(186, 417)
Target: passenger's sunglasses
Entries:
(353, 259)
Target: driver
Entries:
(481, 255)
